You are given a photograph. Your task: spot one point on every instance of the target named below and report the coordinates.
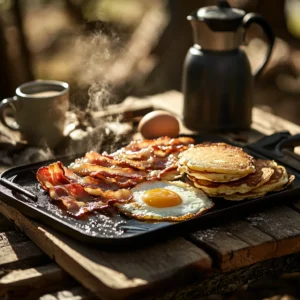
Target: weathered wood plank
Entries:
(261, 245)
(283, 224)
(271, 233)
(220, 282)
(20, 255)
(49, 277)
(47, 273)
(235, 245)
(17, 251)
(268, 123)
(11, 237)
(76, 293)
(111, 275)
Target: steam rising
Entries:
(100, 95)
(95, 56)
(96, 53)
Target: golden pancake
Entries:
(262, 174)
(217, 158)
(290, 181)
(277, 181)
(214, 177)
(254, 194)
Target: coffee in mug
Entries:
(45, 94)
(39, 111)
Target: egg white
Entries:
(194, 202)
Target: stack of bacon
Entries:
(96, 181)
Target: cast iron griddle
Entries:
(116, 229)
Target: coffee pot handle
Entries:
(256, 18)
(4, 105)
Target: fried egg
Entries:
(165, 201)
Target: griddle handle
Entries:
(14, 187)
(290, 142)
(272, 140)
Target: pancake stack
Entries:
(222, 170)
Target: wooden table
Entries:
(213, 260)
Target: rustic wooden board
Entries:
(19, 279)
(283, 224)
(235, 245)
(76, 293)
(10, 238)
(34, 282)
(17, 251)
(26, 277)
(220, 282)
(111, 275)
(274, 232)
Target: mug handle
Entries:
(258, 19)
(4, 104)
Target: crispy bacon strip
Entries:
(118, 161)
(163, 141)
(86, 194)
(92, 170)
(160, 147)
(75, 199)
(89, 181)
(169, 173)
(52, 175)
(119, 181)
(163, 151)
(100, 160)
(119, 195)
(57, 174)
(79, 200)
(73, 190)
(161, 163)
(142, 154)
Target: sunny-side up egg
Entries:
(165, 201)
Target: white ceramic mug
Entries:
(39, 111)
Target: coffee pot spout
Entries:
(192, 16)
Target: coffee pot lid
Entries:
(221, 17)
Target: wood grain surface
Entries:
(267, 234)
(26, 275)
(235, 245)
(16, 251)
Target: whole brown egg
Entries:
(158, 123)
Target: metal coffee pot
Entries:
(217, 80)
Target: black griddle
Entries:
(116, 229)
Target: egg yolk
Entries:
(161, 198)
